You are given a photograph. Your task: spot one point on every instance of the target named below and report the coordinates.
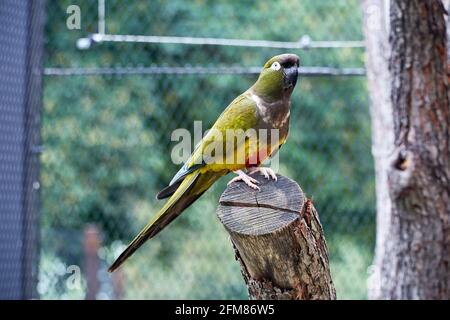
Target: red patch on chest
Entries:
(256, 158)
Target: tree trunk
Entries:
(447, 21)
(413, 250)
(278, 240)
(376, 30)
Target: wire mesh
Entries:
(21, 52)
(107, 143)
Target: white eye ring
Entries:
(275, 66)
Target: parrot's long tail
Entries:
(189, 190)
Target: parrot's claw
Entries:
(241, 176)
(266, 172)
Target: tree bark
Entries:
(413, 250)
(376, 28)
(447, 21)
(278, 240)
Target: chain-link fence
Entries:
(21, 48)
(112, 100)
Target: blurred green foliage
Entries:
(107, 140)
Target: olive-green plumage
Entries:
(265, 105)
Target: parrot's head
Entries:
(278, 77)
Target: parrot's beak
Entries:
(290, 77)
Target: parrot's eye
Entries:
(275, 66)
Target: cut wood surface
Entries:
(278, 240)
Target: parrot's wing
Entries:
(241, 113)
(176, 180)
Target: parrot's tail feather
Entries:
(180, 200)
(168, 191)
(177, 180)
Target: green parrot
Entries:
(265, 105)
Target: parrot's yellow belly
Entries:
(245, 156)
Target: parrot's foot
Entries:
(241, 176)
(266, 172)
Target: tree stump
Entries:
(278, 240)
